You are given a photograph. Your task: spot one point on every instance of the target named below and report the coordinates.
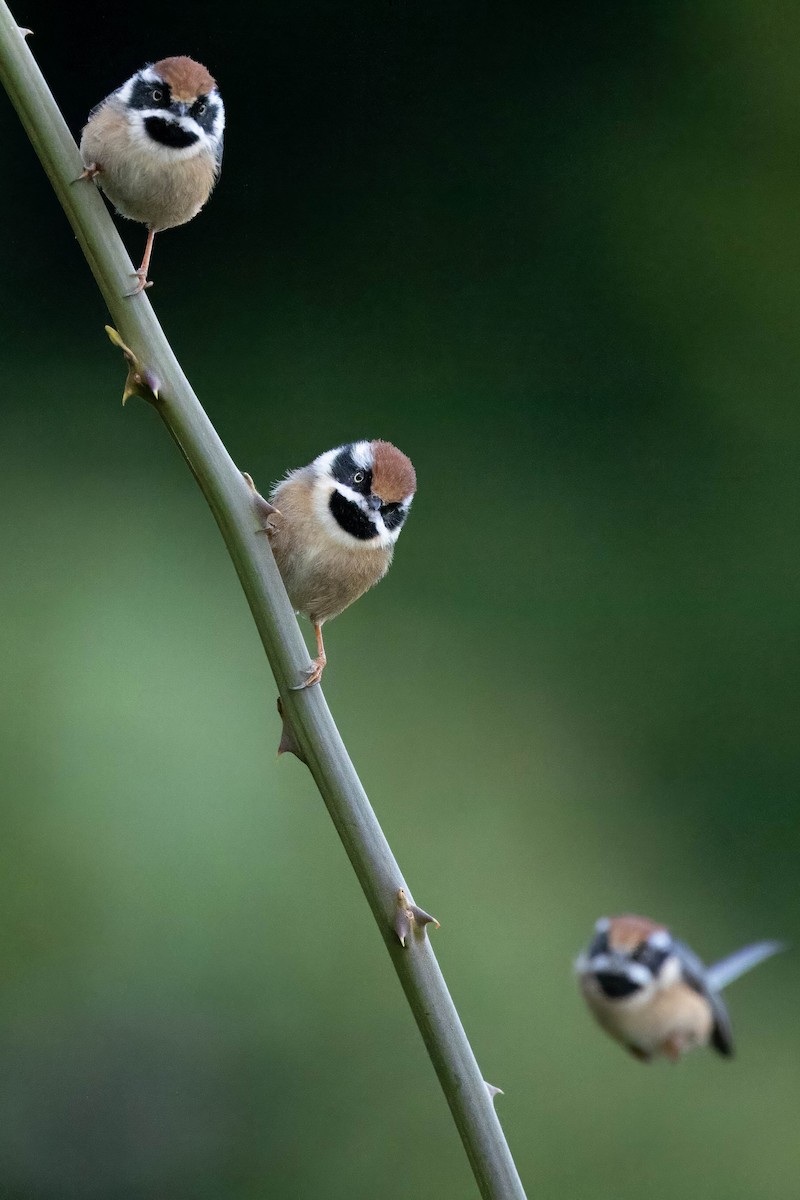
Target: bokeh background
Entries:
(553, 253)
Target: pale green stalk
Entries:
(316, 734)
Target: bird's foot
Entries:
(89, 172)
(314, 675)
(141, 286)
(674, 1047)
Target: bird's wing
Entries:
(696, 975)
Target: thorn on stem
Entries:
(288, 743)
(492, 1090)
(264, 509)
(26, 33)
(410, 919)
(139, 381)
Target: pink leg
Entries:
(141, 274)
(315, 673)
(673, 1048)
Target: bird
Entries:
(154, 146)
(332, 527)
(653, 994)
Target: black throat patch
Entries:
(169, 133)
(393, 516)
(351, 518)
(615, 986)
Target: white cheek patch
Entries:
(219, 120)
(191, 126)
(324, 462)
(660, 939)
(352, 496)
(124, 93)
(187, 123)
(600, 962)
(636, 972)
(670, 972)
(639, 974)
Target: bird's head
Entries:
(175, 105)
(628, 957)
(363, 492)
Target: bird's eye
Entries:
(358, 477)
(201, 108)
(157, 95)
(650, 956)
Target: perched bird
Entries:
(653, 994)
(335, 527)
(155, 147)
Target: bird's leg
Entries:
(141, 274)
(673, 1048)
(88, 172)
(315, 674)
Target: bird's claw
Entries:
(89, 172)
(141, 286)
(314, 675)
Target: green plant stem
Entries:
(231, 503)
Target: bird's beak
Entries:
(374, 502)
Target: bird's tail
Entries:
(736, 964)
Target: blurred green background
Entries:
(551, 252)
